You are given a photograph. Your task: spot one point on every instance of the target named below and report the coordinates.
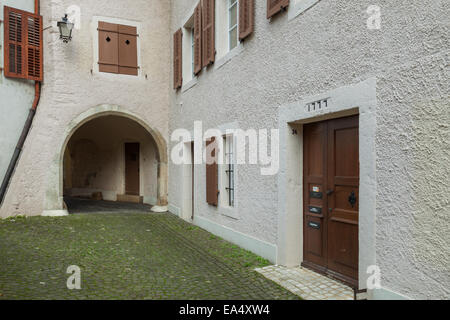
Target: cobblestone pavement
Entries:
(126, 256)
(79, 205)
(307, 284)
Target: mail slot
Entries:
(316, 195)
(314, 225)
(316, 210)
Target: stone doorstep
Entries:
(129, 198)
(308, 284)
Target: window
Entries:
(117, 46)
(229, 169)
(233, 24)
(227, 174)
(191, 33)
(188, 50)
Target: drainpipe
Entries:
(25, 131)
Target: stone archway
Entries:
(54, 206)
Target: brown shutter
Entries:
(177, 59)
(108, 43)
(208, 37)
(212, 173)
(275, 6)
(34, 48)
(198, 62)
(128, 55)
(23, 44)
(246, 18)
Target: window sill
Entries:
(230, 212)
(116, 76)
(227, 57)
(299, 7)
(189, 85)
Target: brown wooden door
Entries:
(132, 169)
(331, 180)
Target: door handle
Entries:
(330, 192)
(352, 199)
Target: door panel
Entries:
(343, 178)
(331, 193)
(314, 227)
(132, 169)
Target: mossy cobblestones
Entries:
(126, 256)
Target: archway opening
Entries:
(111, 159)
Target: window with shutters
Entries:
(23, 53)
(116, 47)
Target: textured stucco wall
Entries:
(327, 47)
(16, 97)
(70, 89)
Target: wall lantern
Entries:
(65, 29)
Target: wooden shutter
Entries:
(108, 47)
(34, 48)
(208, 37)
(23, 53)
(246, 18)
(198, 30)
(212, 173)
(275, 6)
(177, 59)
(128, 57)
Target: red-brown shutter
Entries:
(198, 60)
(177, 59)
(246, 18)
(208, 37)
(108, 44)
(212, 173)
(275, 6)
(128, 55)
(23, 53)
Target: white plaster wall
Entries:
(16, 97)
(70, 90)
(327, 47)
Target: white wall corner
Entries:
(175, 210)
